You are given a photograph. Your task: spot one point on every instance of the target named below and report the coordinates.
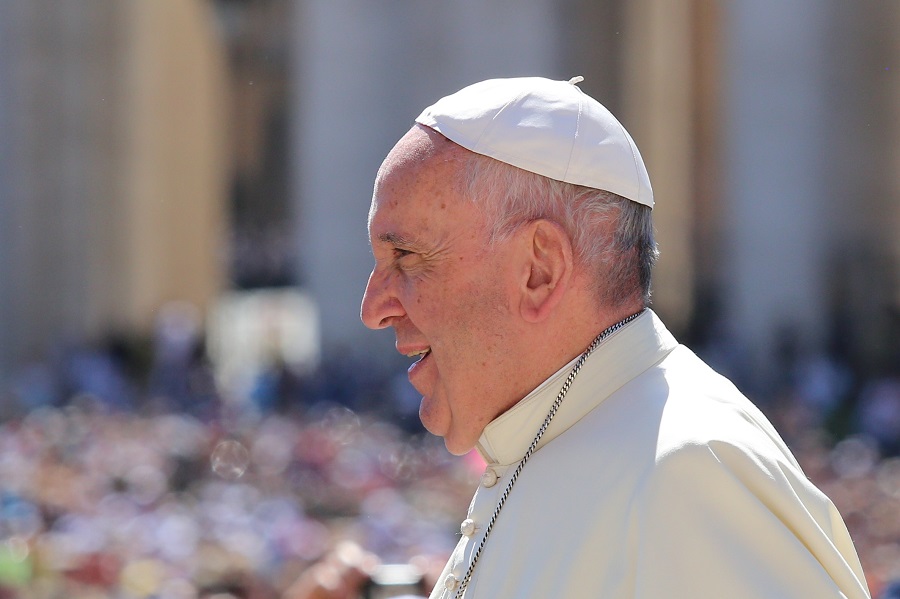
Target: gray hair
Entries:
(511, 197)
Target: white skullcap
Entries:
(551, 128)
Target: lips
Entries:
(417, 370)
(421, 356)
(421, 353)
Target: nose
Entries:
(380, 305)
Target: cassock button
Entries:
(467, 528)
(489, 478)
(451, 582)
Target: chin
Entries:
(432, 418)
(437, 420)
(457, 447)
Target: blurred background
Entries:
(189, 405)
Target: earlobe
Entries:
(551, 264)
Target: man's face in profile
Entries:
(441, 286)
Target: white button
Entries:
(467, 528)
(451, 582)
(489, 478)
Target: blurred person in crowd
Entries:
(878, 413)
(513, 242)
(892, 591)
(340, 575)
(181, 379)
(348, 572)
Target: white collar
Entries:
(619, 358)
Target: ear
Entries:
(548, 269)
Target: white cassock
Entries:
(657, 479)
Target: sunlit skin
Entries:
(486, 323)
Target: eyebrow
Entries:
(396, 239)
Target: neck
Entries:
(543, 352)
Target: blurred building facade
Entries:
(770, 133)
(810, 208)
(364, 71)
(140, 139)
(114, 161)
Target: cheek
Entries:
(480, 319)
(489, 299)
(466, 310)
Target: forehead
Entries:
(419, 181)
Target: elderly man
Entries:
(513, 243)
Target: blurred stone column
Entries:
(10, 46)
(862, 258)
(62, 63)
(893, 171)
(363, 71)
(777, 205)
(176, 175)
(658, 109)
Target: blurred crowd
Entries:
(124, 482)
(96, 503)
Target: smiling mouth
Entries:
(421, 354)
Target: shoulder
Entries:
(678, 415)
(729, 462)
(705, 414)
(682, 424)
